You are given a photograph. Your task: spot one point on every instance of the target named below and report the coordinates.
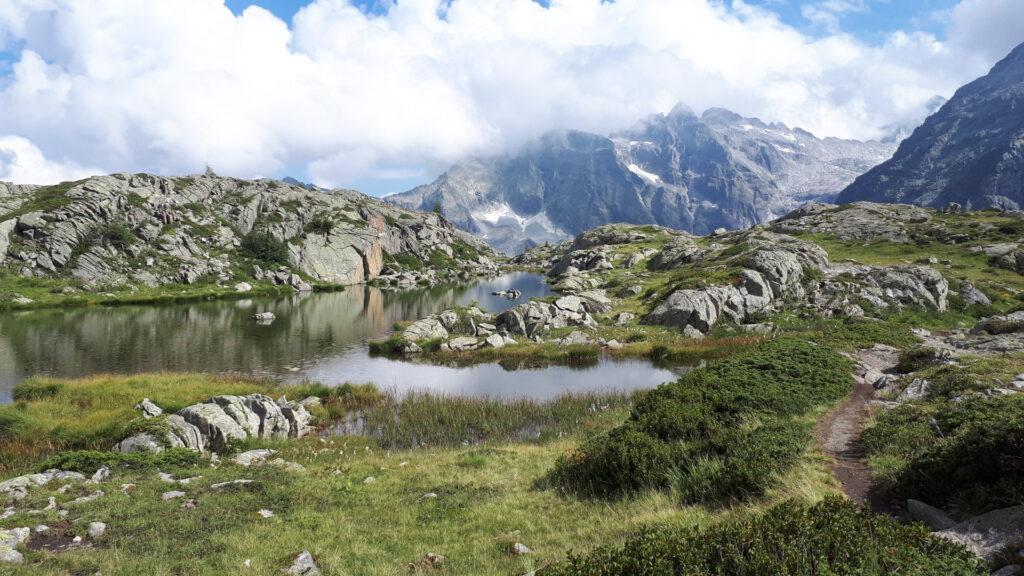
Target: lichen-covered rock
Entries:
(1005, 324)
(425, 329)
(988, 534)
(148, 409)
(865, 221)
(218, 427)
(679, 251)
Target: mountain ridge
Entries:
(689, 172)
(969, 152)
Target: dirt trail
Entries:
(838, 434)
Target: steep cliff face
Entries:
(679, 170)
(147, 230)
(970, 152)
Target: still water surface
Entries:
(320, 337)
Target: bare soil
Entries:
(838, 435)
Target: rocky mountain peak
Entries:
(969, 152)
(679, 170)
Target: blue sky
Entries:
(870, 20)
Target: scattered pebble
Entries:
(369, 480)
(190, 504)
(126, 488)
(77, 540)
(304, 565)
(519, 549)
(96, 530)
(171, 495)
(89, 498)
(266, 513)
(41, 528)
(427, 496)
(239, 482)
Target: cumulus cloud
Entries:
(23, 163)
(168, 87)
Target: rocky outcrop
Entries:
(1006, 324)
(139, 229)
(702, 309)
(598, 258)
(425, 329)
(865, 221)
(215, 423)
(679, 251)
(988, 534)
(18, 486)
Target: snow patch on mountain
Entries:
(652, 178)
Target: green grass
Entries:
(489, 493)
(51, 415)
(45, 199)
(49, 293)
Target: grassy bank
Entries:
(49, 415)
(67, 293)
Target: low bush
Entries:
(914, 359)
(963, 457)
(717, 434)
(830, 538)
(321, 225)
(117, 235)
(88, 461)
(264, 247)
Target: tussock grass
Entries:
(422, 419)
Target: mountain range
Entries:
(681, 170)
(970, 152)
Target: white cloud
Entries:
(170, 86)
(23, 163)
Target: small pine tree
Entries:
(437, 208)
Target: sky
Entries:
(383, 95)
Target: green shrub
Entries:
(405, 260)
(88, 461)
(719, 433)
(915, 359)
(264, 247)
(964, 457)
(833, 537)
(391, 345)
(321, 225)
(117, 235)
